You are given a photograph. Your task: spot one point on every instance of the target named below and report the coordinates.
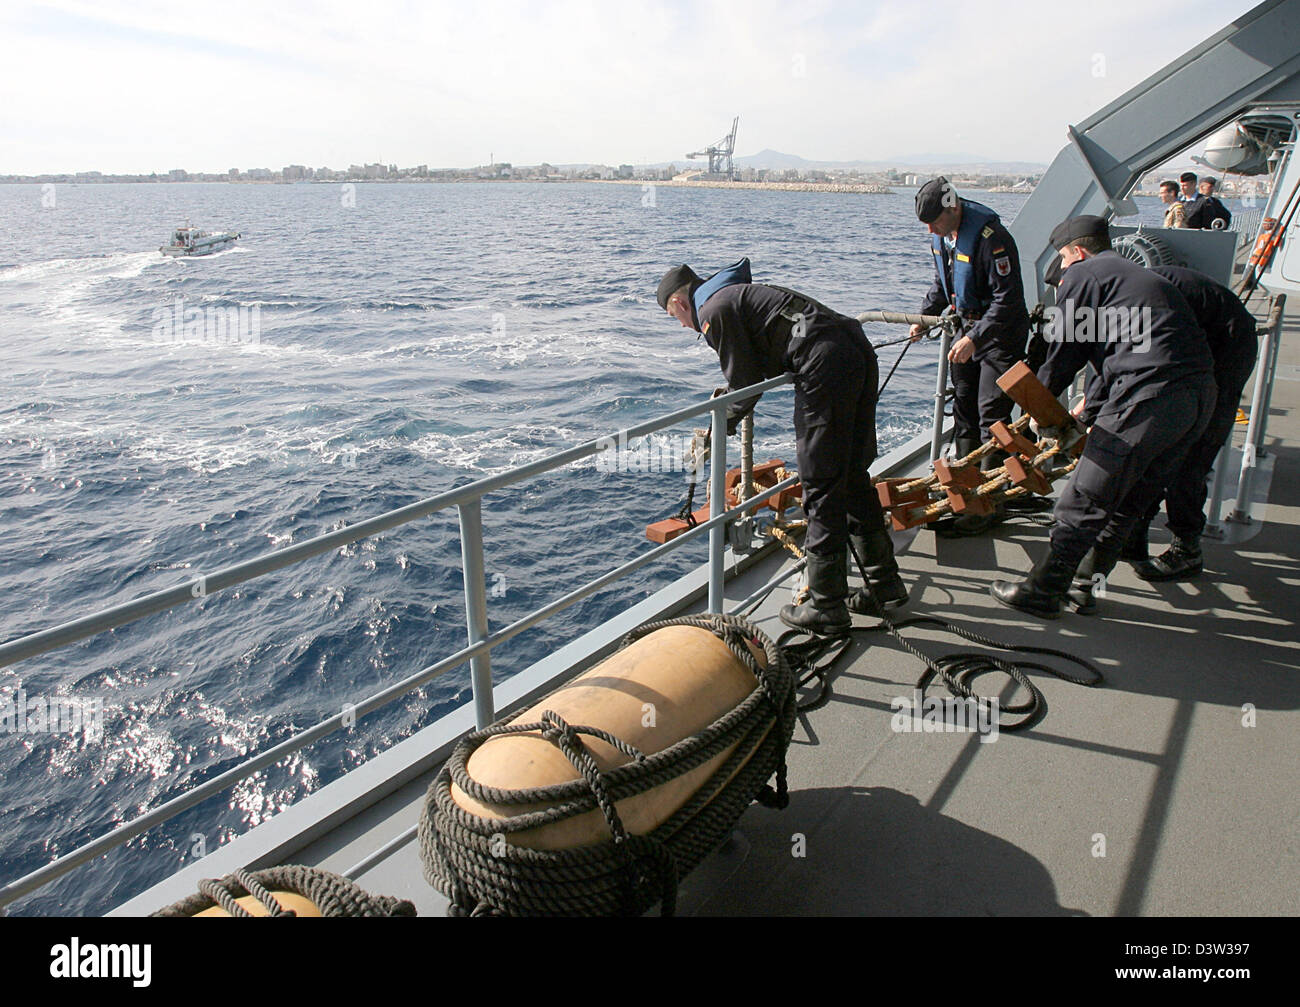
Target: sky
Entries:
(153, 85)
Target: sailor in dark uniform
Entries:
(1150, 402)
(761, 332)
(977, 272)
(1231, 331)
(1206, 209)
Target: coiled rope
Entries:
(814, 657)
(467, 857)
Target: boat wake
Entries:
(87, 269)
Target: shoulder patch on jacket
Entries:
(987, 232)
(1004, 265)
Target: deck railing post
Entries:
(1212, 506)
(940, 395)
(746, 458)
(717, 504)
(471, 553)
(1263, 376)
(1279, 305)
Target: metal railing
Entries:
(480, 640)
(1246, 223)
(1253, 448)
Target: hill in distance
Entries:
(775, 160)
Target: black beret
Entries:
(1187, 176)
(932, 197)
(674, 280)
(1086, 226)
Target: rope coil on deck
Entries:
(331, 894)
(464, 854)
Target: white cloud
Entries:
(153, 85)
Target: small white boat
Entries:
(191, 241)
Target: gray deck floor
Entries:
(1197, 812)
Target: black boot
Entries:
(962, 446)
(884, 588)
(1181, 561)
(1042, 592)
(1136, 548)
(1090, 580)
(825, 612)
(992, 460)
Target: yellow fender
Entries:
(667, 686)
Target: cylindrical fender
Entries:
(663, 688)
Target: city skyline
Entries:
(152, 86)
(766, 161)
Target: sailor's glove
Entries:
(733, 425)
(1066, 436)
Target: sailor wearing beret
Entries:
(1148, 404)
(762, 331)
(977, 274)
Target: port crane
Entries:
(721, 152)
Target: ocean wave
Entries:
(379, 378)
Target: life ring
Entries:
(1261, 249)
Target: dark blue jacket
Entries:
(985, 281)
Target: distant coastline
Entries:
(858, 187)
(864, 188)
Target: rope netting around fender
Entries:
(470, 859)
(331, 894)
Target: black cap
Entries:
(933, 197)
(1187, 176)
(1054, 270)
(674, 280)
(1086, 226)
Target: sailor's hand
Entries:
(917, 332)
(1072, 433)
(1066, 435)
(733, 424)
(962, 350)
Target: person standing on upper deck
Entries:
(1175, 209)
(759, 332)
(1149, 403)
(977, 274)
(1208, 208)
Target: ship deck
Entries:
(1170, 790)
(1196, 810)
